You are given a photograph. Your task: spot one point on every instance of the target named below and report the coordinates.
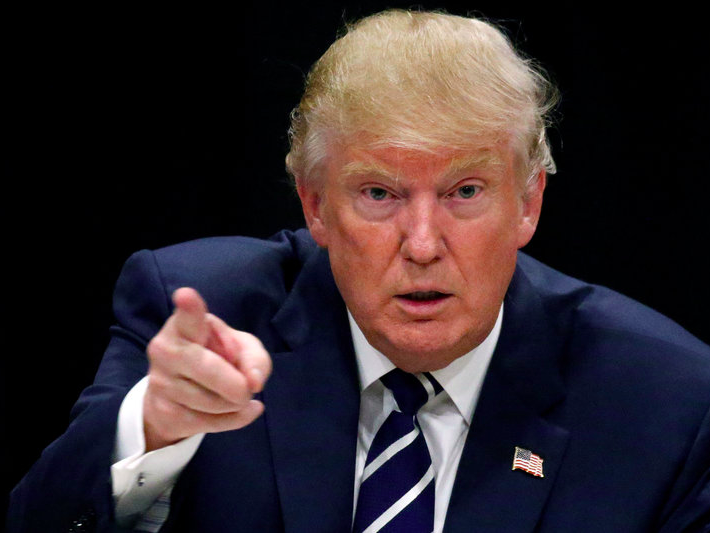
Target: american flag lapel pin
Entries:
(527, 461)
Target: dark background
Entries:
(134, 128)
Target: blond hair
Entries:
(423, 81)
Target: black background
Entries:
(133, 128)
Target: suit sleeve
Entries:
(69, 487)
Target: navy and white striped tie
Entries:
(397, 486)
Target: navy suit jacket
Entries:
(614, 397)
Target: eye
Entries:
(467, 191)
(377, 193)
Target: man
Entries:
(420, 157)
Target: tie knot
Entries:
(411, 391)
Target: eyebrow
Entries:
(357, 168)
(483, 159)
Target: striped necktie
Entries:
(397, 486)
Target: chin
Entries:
(420, 349)
(426, 362)
(425, 356)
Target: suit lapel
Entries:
(313, 400)
(522, 386)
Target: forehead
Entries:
(395, 163)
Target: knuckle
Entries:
(210, 367)
(196, 357)
(239, 396)
(158, 382)
(252, 341)
(158, 346)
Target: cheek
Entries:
(486, 254)
(361, 257)
(502, 261)
(359, 240)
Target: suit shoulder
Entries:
(242, 279)
(596, 311)
(214, 253)
(618, 352)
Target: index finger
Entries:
(190, 315)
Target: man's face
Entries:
(423, 246)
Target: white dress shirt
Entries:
(138, 478)
(445, 420)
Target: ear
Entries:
(531, 208)
(312, 202)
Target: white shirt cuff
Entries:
(138, 478)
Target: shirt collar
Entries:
(461, 379)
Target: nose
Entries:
(422, 240)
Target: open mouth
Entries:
(423, 296)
